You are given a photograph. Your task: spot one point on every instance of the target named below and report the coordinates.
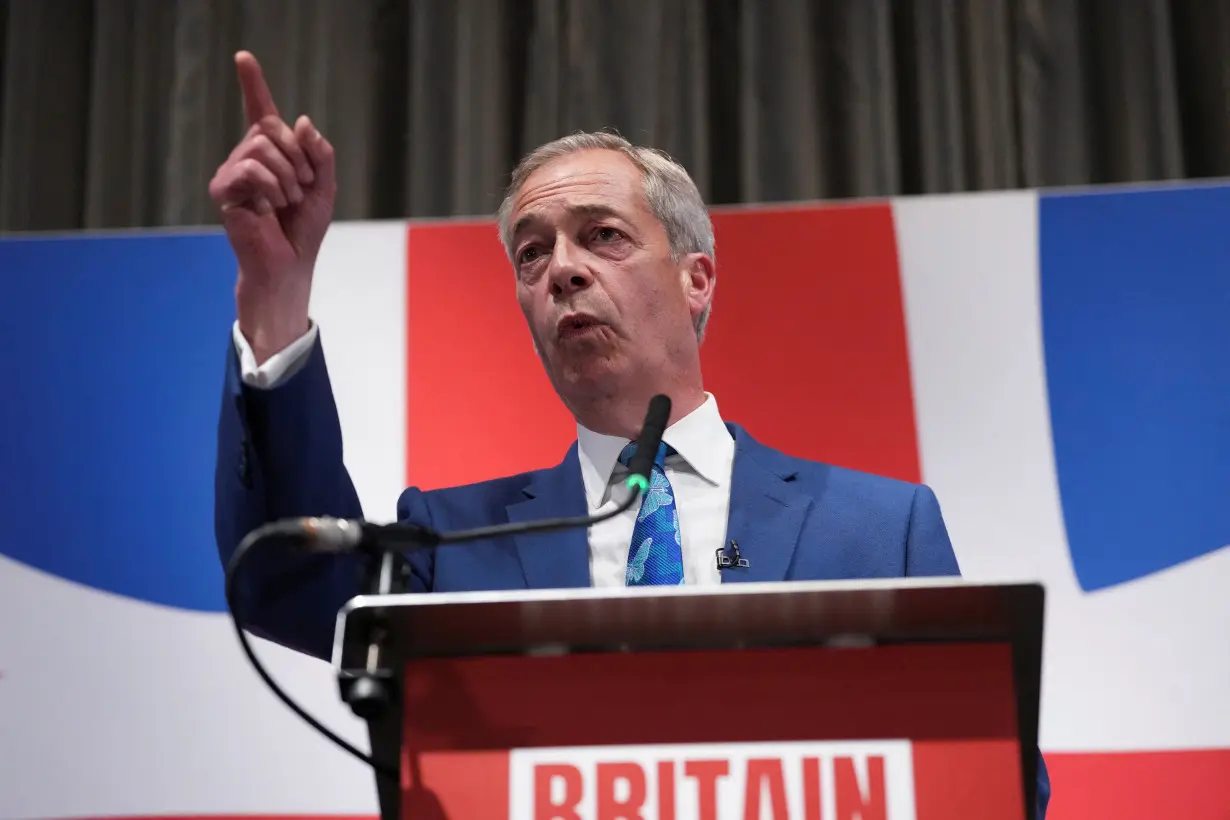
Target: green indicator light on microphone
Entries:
(638, 481)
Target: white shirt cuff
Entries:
(280, 366)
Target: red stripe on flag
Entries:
(1193, 785)
(808, 344)
(479, 405)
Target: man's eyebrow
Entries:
(592, 211)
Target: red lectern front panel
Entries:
(886, 733)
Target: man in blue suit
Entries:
(613, 255)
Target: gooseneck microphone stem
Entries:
(323, 534)
(379, 545)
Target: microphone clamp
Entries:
(731, 557)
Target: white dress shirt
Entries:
(699, 474)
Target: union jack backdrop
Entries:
(1055, 365)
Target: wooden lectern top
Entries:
(888, 610)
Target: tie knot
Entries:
(664, 450)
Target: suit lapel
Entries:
(554, 560)
(767, 511)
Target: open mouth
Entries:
(578, 324)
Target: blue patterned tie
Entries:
(655, 556)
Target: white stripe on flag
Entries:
(359, 301)
(1139, 666)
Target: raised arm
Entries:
(279, 440)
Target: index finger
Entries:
(257, 99)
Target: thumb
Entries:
(320, 153)
(310, 221)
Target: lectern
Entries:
(892, 698)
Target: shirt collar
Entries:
(700, 438)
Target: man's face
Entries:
(595, 279)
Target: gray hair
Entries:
(671, 194)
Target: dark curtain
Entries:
(115, 113)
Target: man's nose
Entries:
(567, 273)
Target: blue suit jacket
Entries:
(280, 456)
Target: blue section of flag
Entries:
(1135, 294)
(112, 351)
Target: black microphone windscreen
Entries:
(656, 419)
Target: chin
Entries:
(580, 370)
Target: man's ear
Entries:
(699, 277)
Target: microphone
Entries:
(325, 535)
(322, 534)
(652, 430)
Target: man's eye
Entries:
(528, 255)
(607, 234)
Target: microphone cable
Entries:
(260, 536)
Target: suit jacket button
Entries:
(245, 468)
